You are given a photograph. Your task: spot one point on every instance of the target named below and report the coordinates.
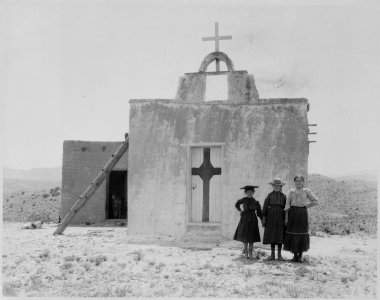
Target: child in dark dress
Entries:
(274, 218)
(247, 230)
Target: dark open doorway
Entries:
(117, 195)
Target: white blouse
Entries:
(301, 198)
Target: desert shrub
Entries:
(72, 258)
(260, 253)
(139, 255)
(292, 291)
(207, 265)
(44, 255)
(22, 193)
(302, 271)
(67, 265)
(160, 265)
(45, 195)
(248, 273)
(36, 282)
(97, 259)
(87, 266)
(9, 290)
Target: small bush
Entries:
(67, 265)
(87, 266)
(9, 290)
(72, 258)
(248, 273)
(160, 265)
(292, 291)
(45, 254)
(139, 255)
(98, 259)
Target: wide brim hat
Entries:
(277, 181)
(249, 187)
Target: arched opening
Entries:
(212, 57)
(216, 88)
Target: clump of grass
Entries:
(67, 265)
(159, 293)
(151, 263)
(72, 258)
(98, 259)
(292, 291)
(87, 266)
(207, 265)
(302, 271)
(9, 290)
(260, 253)
(44, 255)
(248, 273)
(120, 292)
(160, 266)
(139, 255)
(36, 282)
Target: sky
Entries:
(69, 69)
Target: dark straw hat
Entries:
(249, 188)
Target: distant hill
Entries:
(36, 174)
(346, 206)
(369, 177)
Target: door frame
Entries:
(188, 179)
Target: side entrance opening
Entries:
(117, 193)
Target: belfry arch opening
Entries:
(216, 87)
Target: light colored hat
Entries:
(277, 181)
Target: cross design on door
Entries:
(206, 171)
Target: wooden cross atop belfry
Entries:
(217, 38)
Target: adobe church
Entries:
(188, 158)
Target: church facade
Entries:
(188, 158)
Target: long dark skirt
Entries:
(297, 237)
(247, 230)
(274, 232)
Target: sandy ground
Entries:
(104, 261)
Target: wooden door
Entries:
(206, 184)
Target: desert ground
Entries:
(102, 260)
(105, 261)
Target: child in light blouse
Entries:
(297, 238)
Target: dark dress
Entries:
(274, 214)
(297, 237)
(247, 230)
